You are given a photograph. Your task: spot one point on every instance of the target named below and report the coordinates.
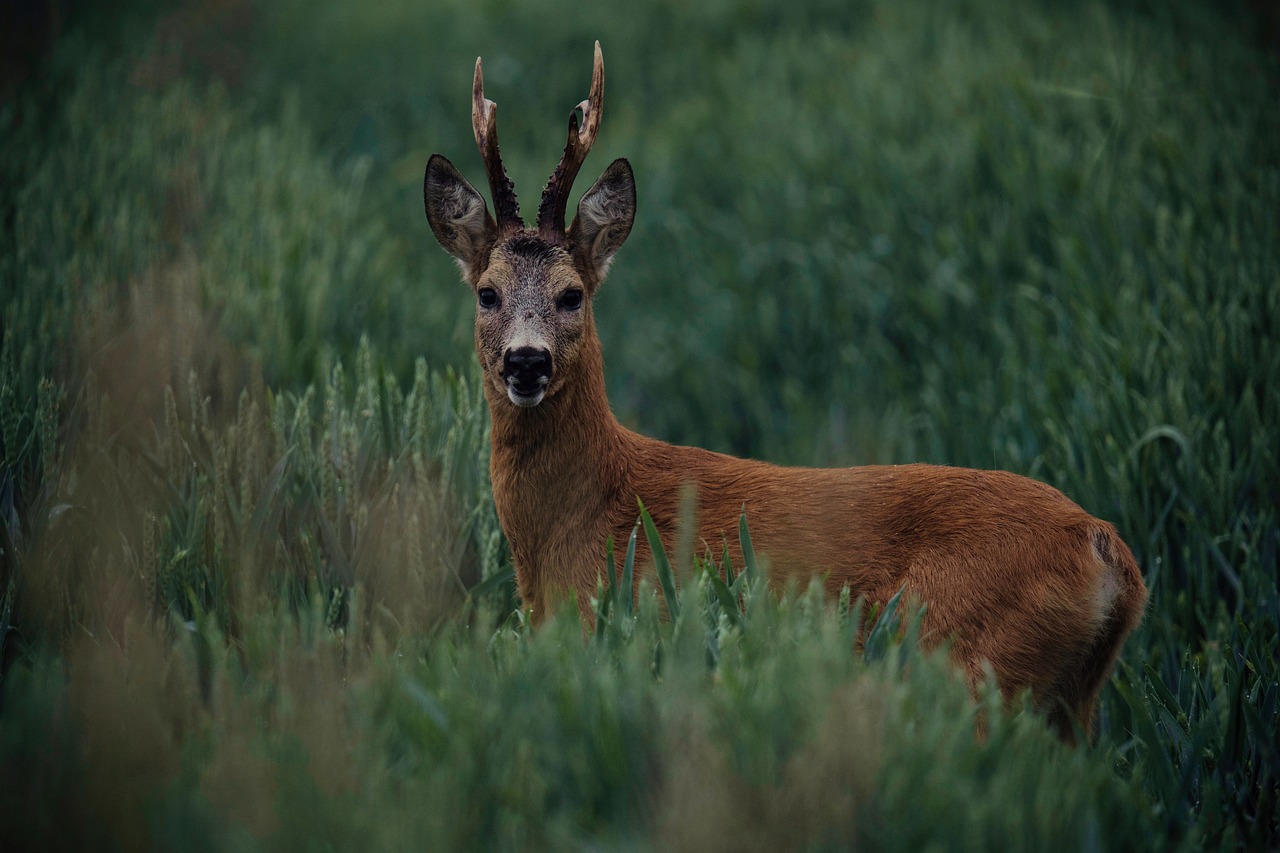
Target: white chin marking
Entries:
(523, 401)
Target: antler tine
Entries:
(484, 121)
(555, 197)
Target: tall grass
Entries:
(254, 593)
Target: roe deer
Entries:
(1011, 571)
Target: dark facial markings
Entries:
(532, 248)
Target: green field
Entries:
(253, 592)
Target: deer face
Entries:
(533, 293)
(533, 288)
(531, 314)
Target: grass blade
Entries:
(749, 567)
(883, 629)
(661, 565)
(609, 592)
(628, 573)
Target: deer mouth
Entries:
(527, 392)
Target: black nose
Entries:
(527, 367)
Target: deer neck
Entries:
(561, 458)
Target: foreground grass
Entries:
(486, 739)
(253, 588)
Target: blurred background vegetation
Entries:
(252, 590)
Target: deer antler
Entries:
(484, 121)
(555, 196)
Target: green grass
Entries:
(253, 593)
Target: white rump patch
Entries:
(1107, 587)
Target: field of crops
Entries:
(253, 591)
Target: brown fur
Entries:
(1012, 572)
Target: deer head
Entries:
(533, 286)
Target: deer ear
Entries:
(457, 213)
(604, 217)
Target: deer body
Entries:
(1012, 572)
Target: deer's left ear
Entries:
(604, 217)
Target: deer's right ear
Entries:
(457, 213)
(605, 215)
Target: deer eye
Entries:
(488, 297)
(571, 300)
